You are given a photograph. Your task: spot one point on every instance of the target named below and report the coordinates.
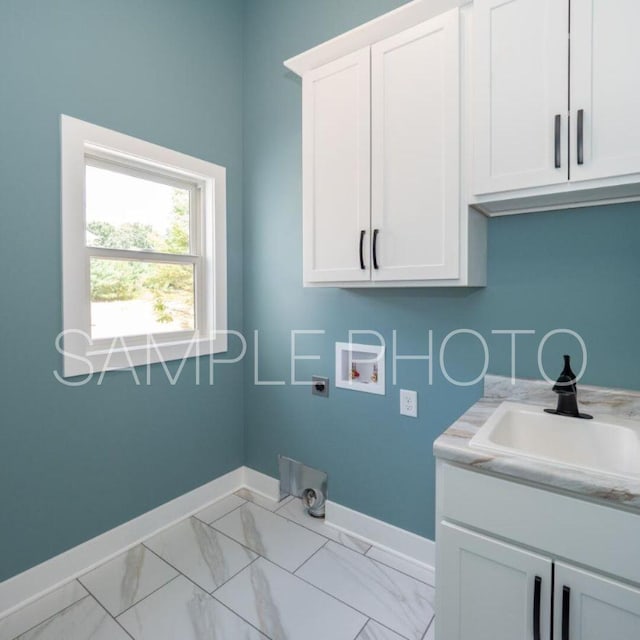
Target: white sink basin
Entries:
(608, 445)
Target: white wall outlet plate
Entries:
(409, 403)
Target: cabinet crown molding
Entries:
(367, 34)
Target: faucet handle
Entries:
(566, 382)
(567, 391)
(565, 385)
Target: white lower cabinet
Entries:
(592, 607)
(491, 590)
(516, 562)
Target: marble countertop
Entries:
(453, 444)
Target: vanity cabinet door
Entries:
(337, 170)
(605, 99)
(591, 607)
(416, 152)
(490, 590)
(521, 88)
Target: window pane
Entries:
(140, 298)
(129, 212)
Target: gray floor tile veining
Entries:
(413, 569)
(254, 573)
(84, 620)
(127, 579)
(199, 552)
(183, 611)
(286, 608)
(271, 536)
(375, 631)
(33, 614)
(220, 508)
(380, 592)
(296, 511)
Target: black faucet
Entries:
(567, 391)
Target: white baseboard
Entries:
(377, 532)
(45, 577)
(260, 483)
(51, 574)
(382, 534)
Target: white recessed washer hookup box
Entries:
(360, 367)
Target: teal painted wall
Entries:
(77, 462)
(575, 269)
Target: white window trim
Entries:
(82, 356)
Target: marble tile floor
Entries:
(245, 568)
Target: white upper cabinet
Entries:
(416, 152)
(505, 105)
(555, 106)
(521, 88)
(382, 144)
(336, 170)
(605, 99)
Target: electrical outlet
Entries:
(409, 403)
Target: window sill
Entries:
(80, 359)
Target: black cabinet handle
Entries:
(580, 136)
(362, 249)
(375, 248)
(536, 608)
(558, 127)
(566, 610)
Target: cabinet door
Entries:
(416, 152)
(337, 169)
(605, 50)
(521, 88)
(592, 607)
(487, 589)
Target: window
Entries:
(144, 252)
